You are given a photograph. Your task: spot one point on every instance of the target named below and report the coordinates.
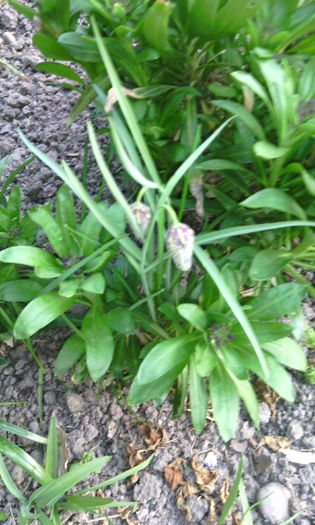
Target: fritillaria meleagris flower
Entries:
(142, 214)
(179, 241)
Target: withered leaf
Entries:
(212, 516)
(173, 473)
(225, 490)
(187, 489)
(266, 394)
(275, 443)
(153, 436)
(205, 478)
(135, 456)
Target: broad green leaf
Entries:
(194, 315)
(51, 456)
(32, 256)
(275, 199)
(267, 263)
(251, 82)
(120, 320)
(48, 223)
(90, 228)
(99, 343)
(241, 112)
(233, 363)
(166, 356)
(288, 352)
(309, 180)
(277, 301)
(70, 352)
(14, 204)
(205, 359)
(23, 460)
(23, 290)
(51, 492)
(266, 332)
(198, 397)
(238, 312)
(269, 151)
(61, 70)
(307, 80)
(9, 483)
(139, 393)
(224, 401)
(80, 46)
(66, 217)
(39, 313)
(69, 287)
(50, 48)
(155, 26)
(94, 284)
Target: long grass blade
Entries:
(207, 238)
(9, 483)
(22, 432)
(216, 276)
(233, 494)
(125, 105)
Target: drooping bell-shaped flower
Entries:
(142, 214)
(179, 241)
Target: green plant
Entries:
(47, 501)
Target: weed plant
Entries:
(185, 285)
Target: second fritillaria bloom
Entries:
(179, 241)
(142, 214)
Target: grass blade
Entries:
(51, 458)
(233, 493)
(22, 432)
(9, 483)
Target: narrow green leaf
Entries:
(23, 460)
(144, 392)
(48, 223)
(194, 315)
(99, 343)
(251, 82)
(224, 401)
(53, 490)
(39, 313)
(198, 397)
(9, 483)
(51, 457)
(66, 217)
(119, 477)
(22, 432)
(70, 352)
(23, 9)
(50, 48)
(233, 494)
(247, 394)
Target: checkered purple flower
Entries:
(142, 214)
(179, 241)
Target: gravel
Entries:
(96, 420)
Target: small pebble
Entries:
(295, 430)
(275, 507)
(9, 39)
(264, 413)
(74, 402)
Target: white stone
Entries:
(275, 507)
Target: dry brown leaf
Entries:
(187, 489)
(173, 473)
(153, 436)
(275, 443)
(112, 97)
(266, 394)
(225, 490)
(212, 516)
(135, 456)
(205, 478)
